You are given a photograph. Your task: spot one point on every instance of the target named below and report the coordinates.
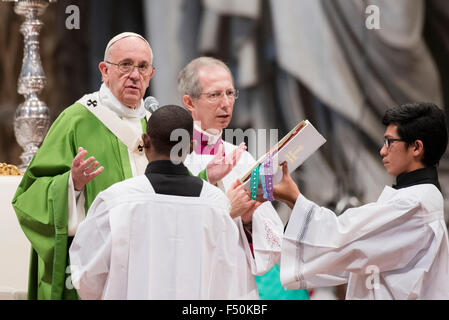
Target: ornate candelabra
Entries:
(32, 118)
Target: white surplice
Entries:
(394, 248)
(136, 244)
(267, 227)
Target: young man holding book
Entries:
(394, 248)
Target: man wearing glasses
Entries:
(209, 94)
(394, 248)
(59, 186)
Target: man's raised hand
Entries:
(221, 165)
(84, 171)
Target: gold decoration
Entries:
(9, 170)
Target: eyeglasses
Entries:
(127, 67)
(214, 96)
(388, 141)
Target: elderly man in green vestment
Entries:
(60, 184)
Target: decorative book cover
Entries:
(295, 147)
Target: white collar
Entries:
(109, 100)
(212, 134)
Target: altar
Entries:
(14, 246)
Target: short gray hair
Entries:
(188, 80)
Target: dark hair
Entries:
(421, 121)
(162, 123)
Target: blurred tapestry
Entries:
(297, 59)
(291, 60)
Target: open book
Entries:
(295, 147)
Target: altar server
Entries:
(394, 248)
(165, 234)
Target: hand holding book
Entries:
(286, 190)
(294, 148)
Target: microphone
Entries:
(151, 104)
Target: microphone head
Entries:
(151, 104)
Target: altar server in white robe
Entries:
(165, 234)
(394, 248)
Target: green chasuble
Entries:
(41, 200)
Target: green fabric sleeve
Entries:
(41, 205)
(41, 200)
(270, 287)
(202, 175)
